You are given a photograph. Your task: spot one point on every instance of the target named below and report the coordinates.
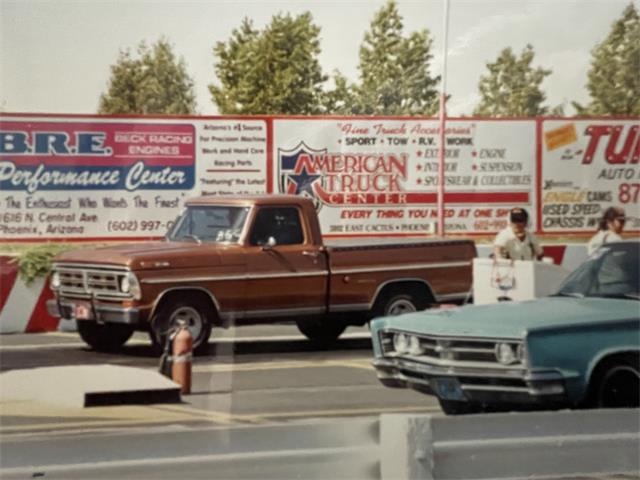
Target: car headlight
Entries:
(129, 284)
(55, 281)
(414, 348)
(505, 353)
(521, 353)
(400, 343)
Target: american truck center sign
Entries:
(115, 178)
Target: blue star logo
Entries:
(303, 182)
(295, 177)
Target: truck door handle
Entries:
(307, 253)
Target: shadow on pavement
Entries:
(215, 349)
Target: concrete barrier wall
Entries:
(522, 445)
(23, 307)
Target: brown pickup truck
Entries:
(254, 259)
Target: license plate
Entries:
(449, 389)
(82, 311)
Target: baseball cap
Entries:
(518, 215)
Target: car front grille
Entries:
(98, 282)
(450, 351)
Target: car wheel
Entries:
(616, 383)
(321, 332)
(396, 303)
(192, 313)
(452, 407)
(104, 337)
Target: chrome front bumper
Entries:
(100, 313)
(483, 385)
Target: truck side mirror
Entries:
(269, 244)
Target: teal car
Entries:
(577, 348)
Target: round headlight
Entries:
(129, 284)
(55, 280)
(125, 284)
(505, 354)
(521, 353)
(414, 347)
(400, 343)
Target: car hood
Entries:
(149, 255)
(513, 319)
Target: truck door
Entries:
(287, 272)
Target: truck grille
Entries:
(98, 282)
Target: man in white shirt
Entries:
(515, 242)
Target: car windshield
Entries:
(613, 271)
(209, 224)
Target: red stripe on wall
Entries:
(40, 320)
(8, 275)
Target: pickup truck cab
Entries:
(251, 259)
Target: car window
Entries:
(612, 271)
(282, 223)
(210, 224)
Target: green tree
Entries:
(512, 87)
(154, 82)
(394, 70)
(341, 100)
(275, 71)
(614, 77)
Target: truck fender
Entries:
(398, 281)
(168, 291)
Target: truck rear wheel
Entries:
(397, 303)
(321, 332)
(104, 337)
(192, 313)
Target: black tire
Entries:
(195, 313)
(615, 383)
(321, 332)
(106, 337)
(397, 303)
(452, 407)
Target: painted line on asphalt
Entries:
(198, 413)
(282, 365)
(190, 459)
(347, 412)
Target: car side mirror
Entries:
(269, 244)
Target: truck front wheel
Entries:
(320, 331)
(192, 313)
(104, 337)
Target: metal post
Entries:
(443, 115)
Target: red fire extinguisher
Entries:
(182, 355)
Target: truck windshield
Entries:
(611, 272)
(209, 224)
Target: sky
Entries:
(55, 55)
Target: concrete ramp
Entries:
(88, 385)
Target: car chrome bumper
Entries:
(485, 385)
(64, 309)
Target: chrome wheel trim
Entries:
(191, 318)
(401, 306)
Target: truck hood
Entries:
(148, 255)
(513, 319)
